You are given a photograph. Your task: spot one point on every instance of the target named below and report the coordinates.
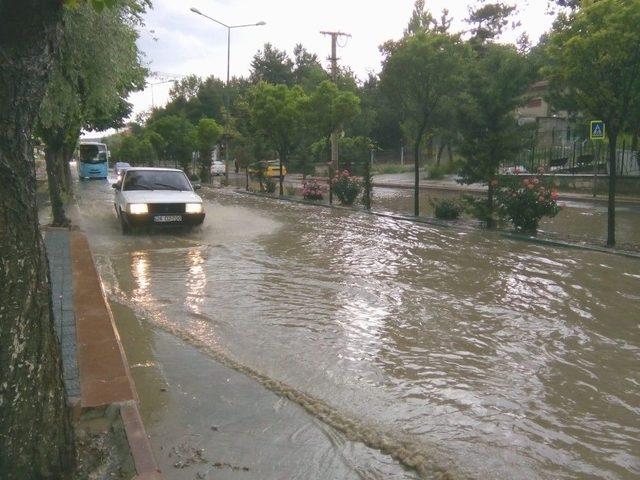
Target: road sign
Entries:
(597, 130)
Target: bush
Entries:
(446, 209)
(435, 172)
(269, 185)
(346, 187)
(312, 191)
(478, 208)
(525, 204)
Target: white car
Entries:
(218, 168)
(156, 196)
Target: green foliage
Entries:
(87, 90)
(419, 72)
(497, 79)
(179, 136)
(525, 204)
(446, 209)
(346, 187)
(478, 208)
(593, 63)
(269, 185)
(435, 172)
(354, 151)
(277, 113)
(330, 107)
(272, 66)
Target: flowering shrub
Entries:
(346, 187)
(526, 203)
(312, 191)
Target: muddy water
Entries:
(445, 349)
(577, 221)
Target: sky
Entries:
(179, 42)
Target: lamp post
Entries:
(228, 27)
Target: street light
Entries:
(228, 27)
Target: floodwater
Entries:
(332, 344)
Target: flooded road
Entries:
(445, 349)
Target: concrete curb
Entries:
(105, 378)
(453, 224)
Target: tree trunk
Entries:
(36, 438)
(68, 148)
(283, 159)
(205, 166)
(611, 208)
(53, 157)
(416, 185)
(439, 156)
(490, 204)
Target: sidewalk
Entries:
(99, 386)
(406, 181)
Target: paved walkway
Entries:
(58, 253)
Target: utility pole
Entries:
(334, 76)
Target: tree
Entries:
(272, 66)
(277, 111)
(185, 88)
(88, 90)
(208, 133)
(330, 108)
(594, 63)
(179, 135)
(308, 72)
(497, 80)
(489, 20)
(35, 429)
(418, 73)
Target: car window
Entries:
(156, 180)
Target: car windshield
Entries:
(156, 180)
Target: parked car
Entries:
(271, 168)
(514, 170)
(156, 197)
(218, 168)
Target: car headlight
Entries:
(138, 208)
(193, 208)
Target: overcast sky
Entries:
(179, 42)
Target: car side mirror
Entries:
(197, 186)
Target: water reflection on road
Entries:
(494, 358)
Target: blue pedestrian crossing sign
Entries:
(597, 130)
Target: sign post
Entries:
(596, 132)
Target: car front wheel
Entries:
(126, 228)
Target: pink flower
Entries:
(554, 194)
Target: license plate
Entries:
(167, 218)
